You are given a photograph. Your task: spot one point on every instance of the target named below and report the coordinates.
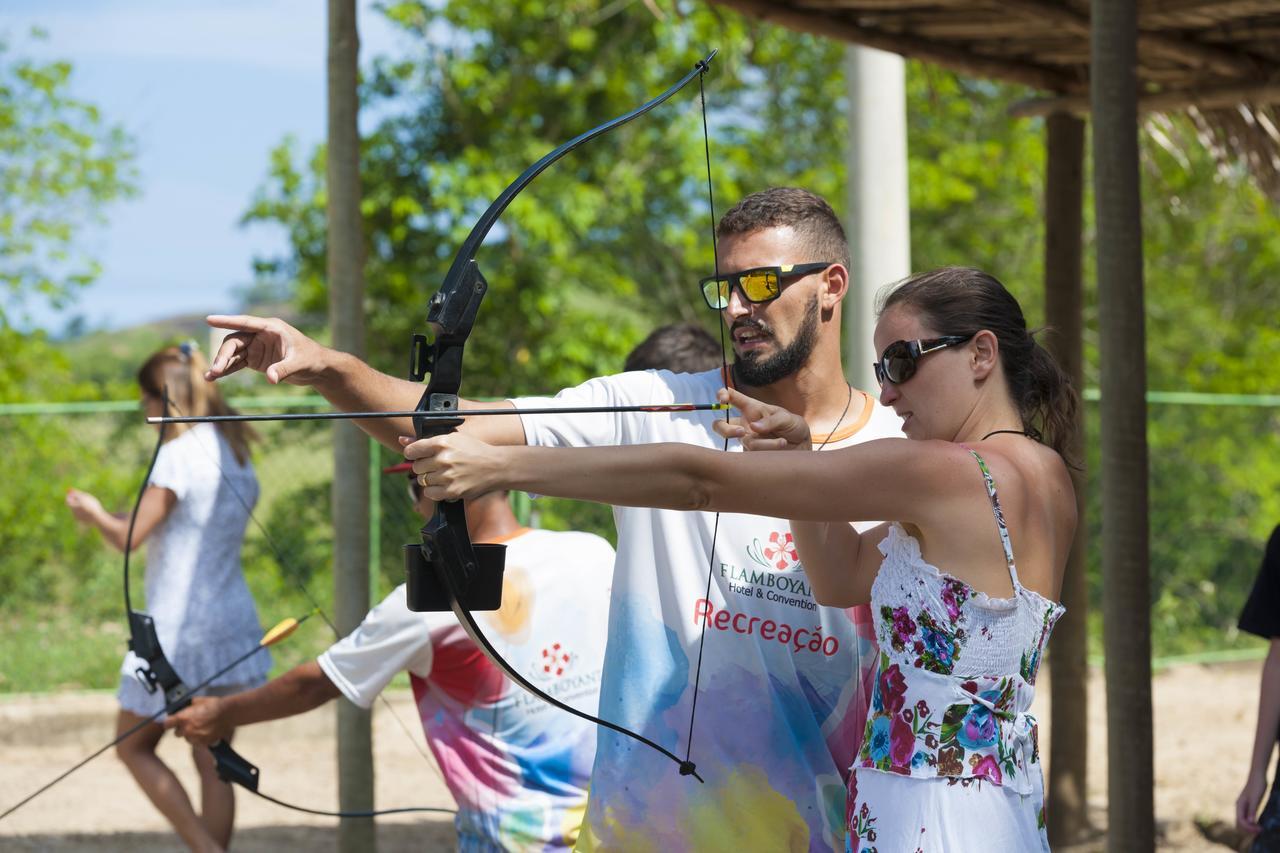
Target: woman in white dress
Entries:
(949, 760)
(193, 515)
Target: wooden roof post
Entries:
(1126, 580)
(1064, 315)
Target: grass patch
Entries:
(58, 651)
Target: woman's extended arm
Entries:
(879, 480)
(156, 505)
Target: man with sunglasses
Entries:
(710, 608)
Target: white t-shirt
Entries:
(517, 767)
(195, 589)
(782, 698)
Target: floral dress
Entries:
(949, 761)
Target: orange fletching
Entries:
(282, 629)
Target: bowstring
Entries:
(715, 529)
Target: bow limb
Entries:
(447, 571)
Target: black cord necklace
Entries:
(847, 403)
(1012, 431)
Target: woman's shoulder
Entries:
(1033, 484)
(1025, 460)
(204, 447)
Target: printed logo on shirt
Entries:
(555, 661)
(559, 672)
(779, 577)
(778, 552)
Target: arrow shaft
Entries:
(432, 416)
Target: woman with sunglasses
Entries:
(950, 760)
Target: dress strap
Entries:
(995, 507)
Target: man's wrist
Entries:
(227, 712)
(507, 471)
(331, 370)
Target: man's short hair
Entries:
(679, 347)
(816, 224)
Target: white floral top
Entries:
(957, 668)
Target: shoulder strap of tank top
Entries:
(995, 507)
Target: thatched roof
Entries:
(1217, 59)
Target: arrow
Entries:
(442, 415)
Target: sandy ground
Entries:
(1204, 717)
(100, 809)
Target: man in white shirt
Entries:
(517, 769)
(781, 683)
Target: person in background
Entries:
(518, 769)
(678, 347)
(192, 516)
(1261, 616)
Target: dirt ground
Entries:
(1204, 717)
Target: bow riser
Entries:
(442, 563)
(446, 560)
(159, 674)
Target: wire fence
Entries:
(60, 585)
(1214, 498)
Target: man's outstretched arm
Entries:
(283, 354)
(210, 719)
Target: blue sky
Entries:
(206, 88)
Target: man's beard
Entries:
(754, 371)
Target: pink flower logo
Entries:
(555, 660)
(781, 551)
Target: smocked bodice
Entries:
(957, 668)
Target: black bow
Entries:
(446, 571)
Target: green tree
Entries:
(60, 163)
(606, 243)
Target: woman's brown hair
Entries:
(965, 301)
(179, 371)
